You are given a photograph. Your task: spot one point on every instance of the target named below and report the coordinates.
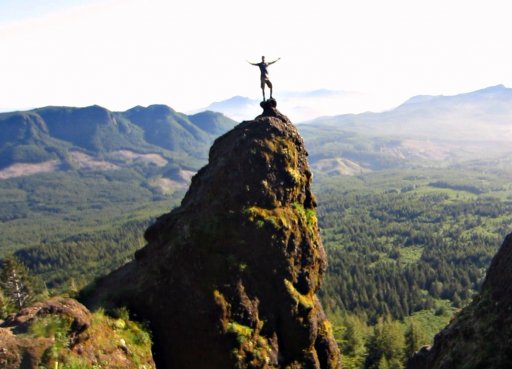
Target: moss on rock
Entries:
(62, 333)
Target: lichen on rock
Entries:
(229, 279)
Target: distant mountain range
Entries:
(66, 138)
(238, 108)
(439, 117)
(299, 106)
(425, 130)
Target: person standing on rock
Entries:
(264, 75)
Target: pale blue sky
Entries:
(12, 10)
(120, 53)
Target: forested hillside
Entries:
(164, 145)
(407, 249)
(77, 225)
(386, 233)
(400, 241)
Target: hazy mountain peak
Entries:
(419, 99)
(498, 90)
(161, 108)
(236, 107)
(235, 102)
(154, 108)
(494, 89)
(237, 99)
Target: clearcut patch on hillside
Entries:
(27, 169)
(339, 166)
(135, 157)
(84, 161)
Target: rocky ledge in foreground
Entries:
(480, 337)
(228, 279)
(62, 333)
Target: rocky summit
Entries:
(229, 278)
(480, 336)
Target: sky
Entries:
(188, 54)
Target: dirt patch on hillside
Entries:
(132, 156)
(166, 185)
(186, 175)
(339, 166)
(84, 161)
(27, 169)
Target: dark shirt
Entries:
(263, 69)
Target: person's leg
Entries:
(263, 88)
(269, 84)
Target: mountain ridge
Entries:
(53, 133)
(424, 131)
(500, 88)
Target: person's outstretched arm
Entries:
(252, 63)
(272, 62)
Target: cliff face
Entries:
(228, 279)
(481, 335)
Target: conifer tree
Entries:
(384, 363)
(5, 306)
(386, 342)
(415, 338)
(16, 282)
(353, 341)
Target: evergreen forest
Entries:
(407, 248)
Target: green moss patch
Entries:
(303, 300)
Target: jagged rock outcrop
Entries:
(61, 332)
(480, 336)
(228, 279)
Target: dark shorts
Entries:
(265, 81)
